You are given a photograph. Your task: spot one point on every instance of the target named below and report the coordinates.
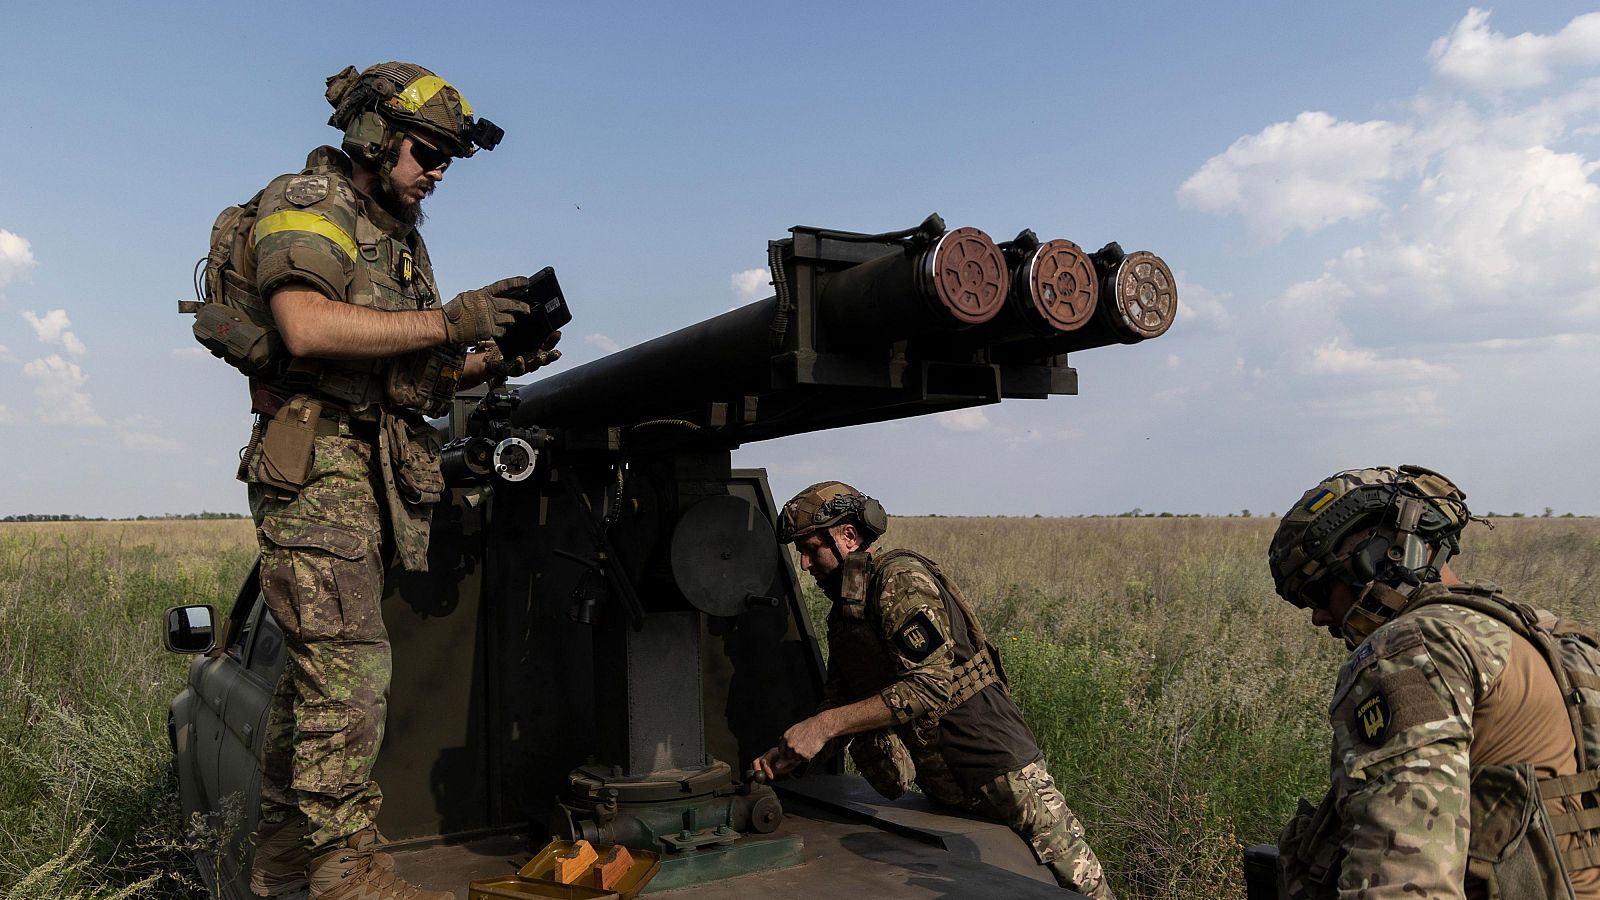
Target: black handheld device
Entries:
(547, 311)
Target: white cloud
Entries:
(16, 256)
(154, 443)
(1333, 358)
(1488, 60)
(1495, 228)
(1407, 408)
(1301, 175)
(1485, 217)
(752, 284)
(970, 419)
(1174, 360)
(55, 328)
(7, 417)
(59, 386)
(1539, 344)
(191, 353)
(602, 343)
(1199, 305)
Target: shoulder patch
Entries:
(304, 190)
(919, 637)
(1373, 718)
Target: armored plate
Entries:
(723, 552)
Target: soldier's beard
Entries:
(404, 212)
(832, 584)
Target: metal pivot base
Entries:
(665, 812)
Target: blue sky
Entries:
(1382, 217)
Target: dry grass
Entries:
(87, 805)
(1180, 703)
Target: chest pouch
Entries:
(413, 448)
(1513, 848)
(1309, 855)
(883, 760)
(425, 381)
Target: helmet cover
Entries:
(829, 503)
(1304, 554)
(414, 100)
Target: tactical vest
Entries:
(1516, 830)
(235, 323)
(891, 759)
(1515, 826)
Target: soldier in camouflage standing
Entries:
(917, 690)
(320, 290)
(1460, 765)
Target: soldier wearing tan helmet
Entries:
(319, 289)
(1466, 725)
(916, 689)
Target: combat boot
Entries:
(281, 858)
(356, 872)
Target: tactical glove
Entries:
(499, 366)
(483, 314)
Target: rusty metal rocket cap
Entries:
(1143, 299)
(1059, 283)
(966, 273)
(829, 503)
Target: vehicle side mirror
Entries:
(190, 629)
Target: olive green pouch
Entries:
(288, 444)
(235, 339)
(883, 760)
(425, 380)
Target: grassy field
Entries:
(1179, 703)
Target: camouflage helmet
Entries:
(1304, 555)
(829, 503)
(377, 106)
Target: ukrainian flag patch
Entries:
(1323, 498)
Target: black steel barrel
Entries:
(722, 357)
(958, 281)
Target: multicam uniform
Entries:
(1443, 720)
(902, 631)
(373, 477)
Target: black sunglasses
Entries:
(429, 157)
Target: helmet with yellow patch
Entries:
(1413, 518)
(378, 106)
(829, 503)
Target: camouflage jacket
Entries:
(315, 228)
(901, 632)
(894, 641)
(1400, 814)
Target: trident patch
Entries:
(1373, 719)
(407, 267)
(919, 637)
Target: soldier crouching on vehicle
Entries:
(917, 689)
(320, 290)
(1466, 725)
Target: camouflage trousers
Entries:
(322, 578)
(1027, 800)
